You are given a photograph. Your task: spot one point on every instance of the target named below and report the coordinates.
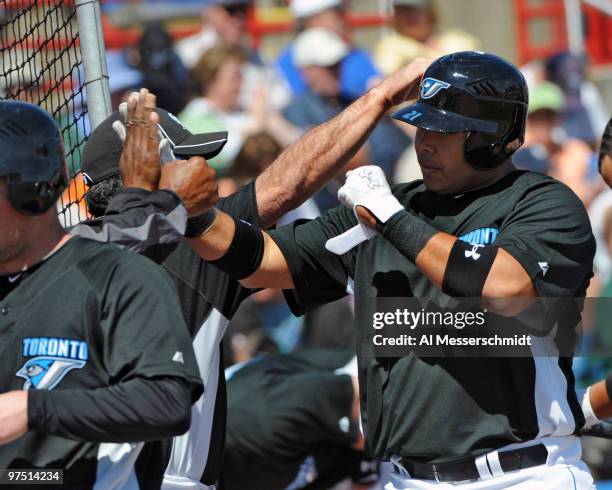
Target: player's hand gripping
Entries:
(367, 192)
(194, 182)
(140, 162)
(13, 415)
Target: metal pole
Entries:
(573, 21)
(93, 57)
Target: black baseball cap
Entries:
(100, 159)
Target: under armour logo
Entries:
(544, 266)
(431, 86)
(474, 252)
(371, 182)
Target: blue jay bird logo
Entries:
(431, 86)
(45, 372)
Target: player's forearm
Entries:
(136, 410)
(312, 161)
(252, 257)
(461, 269)
(216, 240)
(137, 219)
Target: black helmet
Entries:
(31, 157)
(478, 93)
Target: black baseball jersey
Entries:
(283, 410)
(209, 298)
(89, 316)
(536, 219)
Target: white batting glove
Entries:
(366, 186)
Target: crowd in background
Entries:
(214, 80)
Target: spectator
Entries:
(357, 71)
(319, 53)
(223, 22)
(543, 135)
(162, 70)
(584, 116)
(597, 210)
(414, 24)
(218, 78)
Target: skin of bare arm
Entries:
(507, 280)
(312, 161)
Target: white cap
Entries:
(306, 8)
(318, 47)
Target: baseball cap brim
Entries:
(207, 145)
(441, 121)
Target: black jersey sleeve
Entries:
(136, 410)
(319, 276)
(140, 331)
(549, 233)
(137, 219)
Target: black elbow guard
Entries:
(245, 253)
(467, 269)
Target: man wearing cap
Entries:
(357, 71)
(209, 296)
(319, 53)
(542, 136)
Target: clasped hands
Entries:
(147, 161)
(367, 192)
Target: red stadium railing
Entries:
(550, 15)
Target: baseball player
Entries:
(93, 343)
(473, 227)
(152, 206)
(596, 400)
(605, 155)
(210, 296)
(293, 421)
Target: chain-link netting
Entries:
(40, 62)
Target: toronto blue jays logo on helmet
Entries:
(44, 373)
(431, 86)
(52, 359)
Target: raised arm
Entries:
(244, 252)
(303, 168)
(153, 205)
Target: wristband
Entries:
(407, 233)
(585, 402)
(197, 225)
